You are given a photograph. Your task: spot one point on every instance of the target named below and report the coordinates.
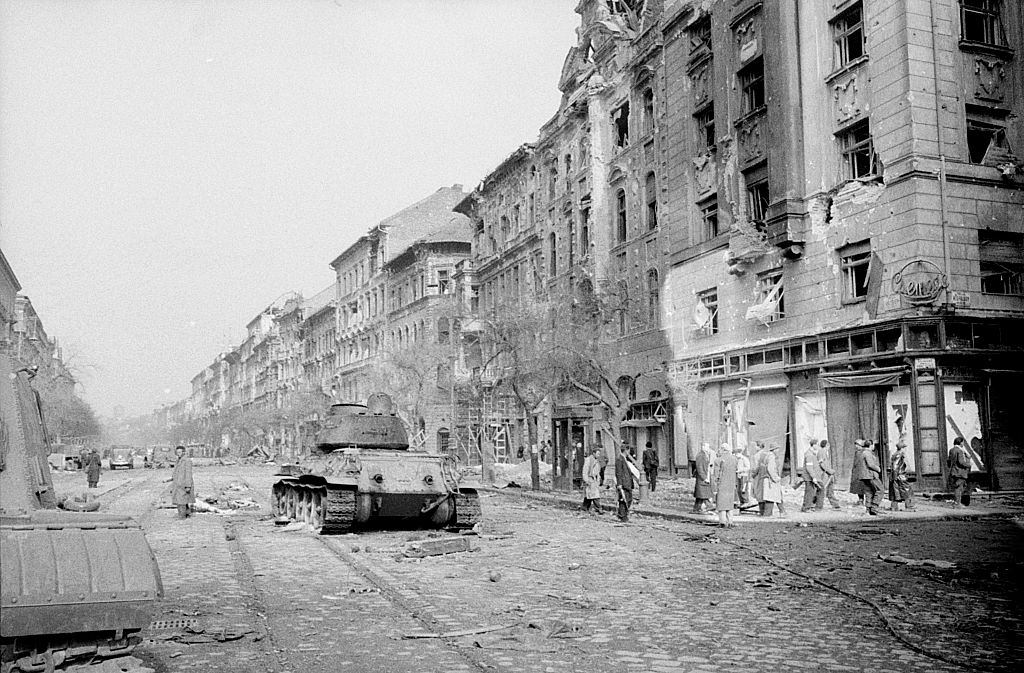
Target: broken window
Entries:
(752, 86)
(651, 196)
(1001, 255)
(709, 218)
(620, 216)
(568, 171)
(769, 306)
(704, 120)
(980, 22)
(474, 298)
(705, 315)
(585, 226)
(620, 120)
(515, 218)
(700, 36)
(859, 160)
(648, 97)
(653, 297)
(848, 35)
(553, 180)
(986, 136)
(443, 282)
(758, 196)
(552, 254)
(854, 261)
(531, 208)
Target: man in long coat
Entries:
(771, 483)
(93, 466)
(829, 475)
(182, 488)
(702, 488)
(651, 463)
(813, 478)
(725, 479)
(592, 481)
(623, 482)
(870, 475)
(959, 467)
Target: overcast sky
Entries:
(167, 169)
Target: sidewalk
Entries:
(673, 500)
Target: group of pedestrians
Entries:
(732, 481)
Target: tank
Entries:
(75, 587)
(362, 475)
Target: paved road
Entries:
(575, 592)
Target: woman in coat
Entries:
(771, 486)
(702, 489)
(93, 467)
(725, 480)
(182, 491)
(592, 482)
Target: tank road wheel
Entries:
(467, 508)
(339, 510)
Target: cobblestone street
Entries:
(565, 591)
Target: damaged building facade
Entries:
(847, 211)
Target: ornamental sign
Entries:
(920, 282)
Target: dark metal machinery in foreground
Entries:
(74, 587)
(363, 475)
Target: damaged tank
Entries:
(363, 475)
(75, 587)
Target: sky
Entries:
(169, 168)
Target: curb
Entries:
(565, 502)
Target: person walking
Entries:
(828, 472)
(959, 468)
(856, 472)
(771, 487)
(742, 479)
(725, 481)
(702, 488)
(650, 463)
(623, 482)
(93, 467)
(182, 487)
(813, 478)
(592, 482)
(871, 475)
(900, 489)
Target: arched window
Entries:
(620, 216)
(648, 121)
(626, 388)
(442, 331)
(552, 254)
(653, 297)
(506, 229)
(651, 197)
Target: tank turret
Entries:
(363, 474)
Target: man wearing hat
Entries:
(870, 475)
(829, 472)
(900, 489)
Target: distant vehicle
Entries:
(121, 456)
(162, 455)
(65, 457)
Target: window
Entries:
(752, 86)
(506, 229)
(553, 181)
(980, 22)
(986, 136)
(648, 97)
(585, 227)
(552, 254)
(443, 282)
(516, 214)
(757, 200)
(700, 36)
(858, 152)
(443, 330)
(620, 216)
(706, 319)
(651, 197)
(704, 120)
(653, 297)
(443, 439)
(474, 298)
(1002, 262)
(531, 208)
(620, 121)
(848, 35)
(709, 218)
(568, 171)
(854, 261)
(770, 297)
(623, 299)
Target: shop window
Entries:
(848, 35)
(752, 86)
(648, 120)
(859, 160)
(620, 123)
(771, 296)
(709, 218)
(704, 121)
(981, 22)
(986, 136)
(620, 216)
(854, 261)
(653, 297)
(707, 318)
(1001, 256)
(651, 197)
(700, 36)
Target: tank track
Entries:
(339, 507)
(467, 509)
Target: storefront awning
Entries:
(640, 423)
(871, 378)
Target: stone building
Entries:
(9, 288)
(847, 253)
(319, 340)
